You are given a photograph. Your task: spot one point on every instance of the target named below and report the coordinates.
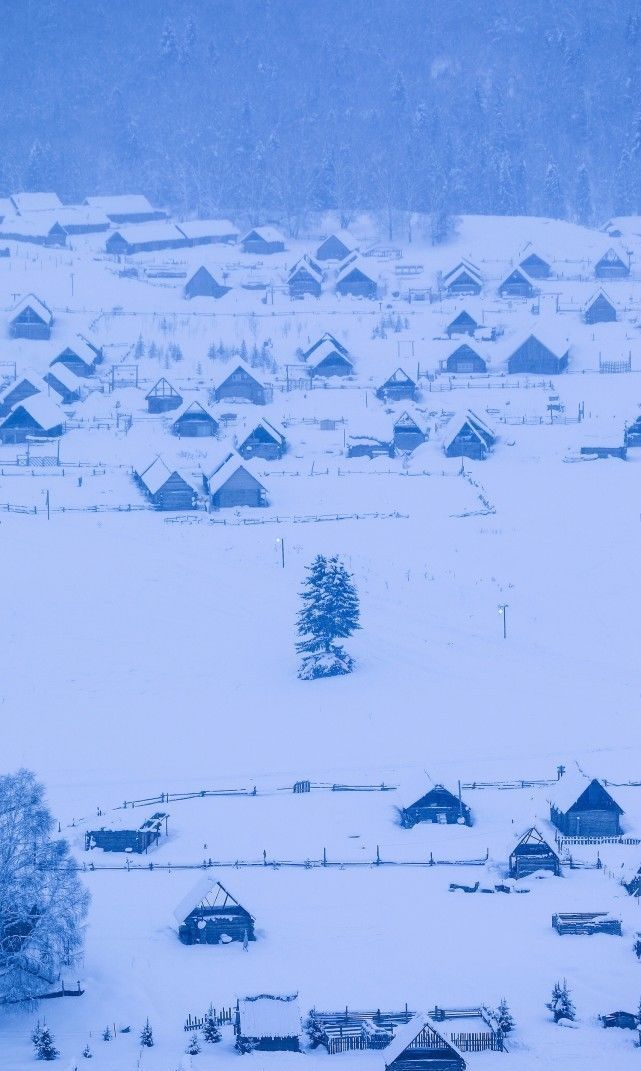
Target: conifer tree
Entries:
(194, 1046)
(503, 1017)
(45, 1048)
(554, 201)
(583, 197)
(147, 1036)
(561, 1004)
(330, 611)
(211, 1033)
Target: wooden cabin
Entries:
(194, 422)
(533, 853)
(81, 358)
(126, 208)
(407, 433)
(326, 337)
(122, 839)
(165, 489)
(240, 383)
(439, 805)
(612, 265)
(420, 1045)
(25, 386)
(209, 231)
(600, 309)
(465, 360)
(326, 360)
(263, 241)
(65, 383)
(398, 388)
(268, 1023)
(586, 922)
(305, 277)
(517, 284)
(580, 807)
(535, 266)
(265, 440)
(36, 416)
(463, 324)
(145, 238)
(232, 484)
(81, 219)
(336, 246)
(534, 357)
(31, 319)
(210, 915)
(468, 436)
(24, 203)
(465, 278)
(162, 397)
(203, 284)
(354, 280)
(39, 229)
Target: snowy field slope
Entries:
(145, 653)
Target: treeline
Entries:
(280, 108)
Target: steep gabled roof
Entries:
(162, 389)
(208, 228)
(355, 264)
(267, 234)
(235, 365)
(65, 376)
(519, 273)
(41, 409)
(273, 430)
(306, 264)
(121, 204)
(532, 843)
(575, 791)
(30, 301)
(467, 418)
(226, 468)
(156, 475)
(80, 347)
(206, 893)
(35, 202)
(408, 422)
(399, 378)
(326, 349)
(408, 1033)
(600, 293)
(613, 254)
(327, 336)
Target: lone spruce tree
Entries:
(330, 611)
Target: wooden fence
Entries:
(482, 1041)
(224, 1017)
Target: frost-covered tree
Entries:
(583, 197)
(503, 1017)
(106, 1034)
(193, 1047)
(147, 1036)
(330, 612)
(560, 1003)
(42, 902)
(44, 1046)
(87, 1053)
(211, 1033)
(552, 193)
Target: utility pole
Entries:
(503, 610)
(282, 551)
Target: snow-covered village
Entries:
(320, 515)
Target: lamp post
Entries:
(503, 611)
(282, 551)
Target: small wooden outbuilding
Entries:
(25, 386)
(203, 284)
(326, 360)
(31, 318)
(162, 398)
(36, 416)
(517, 284)
(165, 488)
(612, 265)
(398, 388)
(119, 838)
(336, 246)
(305, 277)
(420, 1045)
(194, 422)
(210, 915)
(408, 434)
(145, 238)
(600, 309)
(265, 440)
(65, 383)
(468, 436)
(241, 384)
(465, 278)
(232, 483)
(536, 266)
(126, 208)
(586, 922)
(263, 241)
(533, 853)
(209, 231)
(463, 324)
(580, 807)
(439, 805)
(535, 357)
(354, 280)
(80, 357)
(268, 1023)
(465, 360)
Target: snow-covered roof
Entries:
(229, 464)
(518, 270)
(81, 348)
(193, 898)
(597, 294)
(121, 204)
(612, 254)
(406, 1034)
(32, 302)
(266, 1016)
(35, 202)
(41, 409)
(272, 428)
(308, 265)
(208, 228)
(33, 225)
(463, 266)
(325, 349)
(29, 376)
(550, 332)
(192, 407)
(459, 420)
(343, 236)
(268, 234)
(70, 215)
(159, 230)
(233, 366)
(568, 788)
(65, 376)
(355, 264)
(400, 377)
(155, 475)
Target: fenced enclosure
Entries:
(224, 1017)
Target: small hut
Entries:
(408, 434)
(264, 241)
(535, 266)
(268, 1023)
(31, 319)
(210, 915)
(65, 383)
(36, 416)
(194, 422)
(120, 838)
(580, 807)
(162, 397)
(145, 238)
(305, 277)
(336, 246)
(326, 337)
(326, 361)
(465, 278)
(468, 436)
(533, 853)
(517, 284)
(465, 360)
(25, 203)
(209, 231)
(232, 483)
(586, 922)
(39, 229)
(599, 309)
(126, 208)
(535, 356)
(440, 806)
(463, 324)
(165, 489)
(265, 440)
(354, 280)
(80, 357)
(398, 388)
(614, 264)
(25, 386)
(239, 383)
(420, 1045)
(203, 284)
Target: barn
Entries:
(407, 433)
(438, 805)
(580, 807)
(209, 231)
(81, 219)
(203, 284)
(533, 853)
(210, 915)
(126, 208)
(268, 1023)
(537, 357)
(266, 440)
(35, 416)
(81, 357)
(354, 280)
(465, 360)
(614, 264)
(162, 397)
(517, 284)
(535, 266)
(326, 337)
(599, 309)
(119, 838)
(24, 203)
(194, 422)
(39, 229)
(465, 278)
(398, 388)
(463, 324)
(31, 318)
(240, 384)
(232, 484)
(145, 238)
(419, 1045)
(336, 246)
(263, 241)
(65, 383)
(165, 489)
(25, 386)
(304, 278)
(468, 436)
(326, 360)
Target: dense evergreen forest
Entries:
(279, 107)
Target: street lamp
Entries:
(503, 611)
(282, 550)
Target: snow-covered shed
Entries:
(326, 360)
(467, 435)
(354, 280)
(263, 240)
(408, 433)
(613, 264)
(599, 309)
(25, 386)
(438, 805)
(536, 266)
(194, 421)
(464, 278)
(80, 356)
(35, 202)
(232, 483)
(126, 208)
(120, 837)
(462, 324)
(327, 336)
(266, 440)
(163, 398)
(39, 228)
(268, 1023)
(204, 284)
(36, 416)
(398, 387)
(517, 283)
(165, 488)
(239, 382)
(31, 318)
(465, 360)
(210, 915)
(306, 277)
(145, 238)
(336, 246)
(533, 853)
(583, 807)
(209, 231)
(545, 352)
(65, 383)
(420, 1045)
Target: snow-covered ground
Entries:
(145, 653)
